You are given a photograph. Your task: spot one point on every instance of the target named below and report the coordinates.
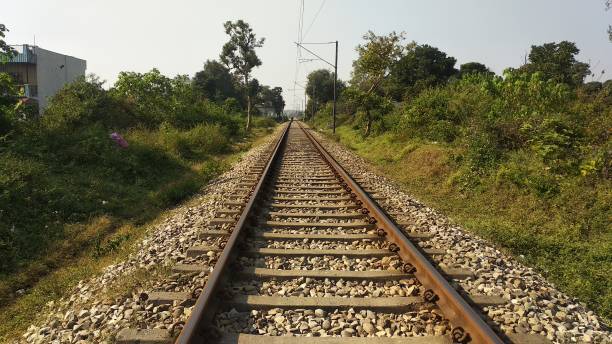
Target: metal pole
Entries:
(335, 81)
(305, 104)
(313, 102)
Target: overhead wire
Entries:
(313, 19)
(298, 49)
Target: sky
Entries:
(178, 36)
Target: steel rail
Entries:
(468, 326)
(203, 310)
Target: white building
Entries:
(41, 73)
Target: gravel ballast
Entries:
(534, 305)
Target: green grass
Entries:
(566, 237)
(84, 215)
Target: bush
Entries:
(64, 168)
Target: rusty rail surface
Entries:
(203, 310)
(468, 325)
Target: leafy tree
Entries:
(155, 98)
(421, 67)
(146, 94)
(84, 102)
(376, 58)
(557, 61)
(215, 82)
(6, 51)
(239, 55)
(273, 98)
(474, 68)
(8, 99)
(320, 87)
(372, 105)
(8, 90)
(254, 89)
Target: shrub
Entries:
(63, 168)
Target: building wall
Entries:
(53, 71)
(23, 73)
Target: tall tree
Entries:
(239, 55)
(215, 82)
(320, 87)
(557, 61)
(6, 51)
(277, 101)
(271, 98)
(8, 90)
(149, 95)
(474, 68)
(422, 66)
(376, 57)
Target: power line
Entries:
(313, 19)
(298, 50)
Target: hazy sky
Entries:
(178, 36)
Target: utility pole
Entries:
(304, 104)
(335, 65)
(335, 81)
(313, 101)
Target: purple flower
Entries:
(119, 140)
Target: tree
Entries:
(376, 58)
(148, 94)
(320, 87)
(8, 90)
(6, 51)
(421, 67)
(271, 98)
(557, 61)
(215, 82)
(275, 99)
(474, 68)
(239, 55)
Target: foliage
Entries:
(215, 82)
(421, 66)
(145, 94)
(62, 170)
(558, 226)
(473, 68)
(239, 56)
(320, 88)
(8, 101)
(523, 159)
(272, 98)
(6, 51)
(557, 61)
(371, 107)
(376, 58)
(8, 91)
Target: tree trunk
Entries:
(368, 123)
(248, 124)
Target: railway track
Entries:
(306, 255)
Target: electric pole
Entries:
(335, 81)
(313, 101)
(335, 65)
